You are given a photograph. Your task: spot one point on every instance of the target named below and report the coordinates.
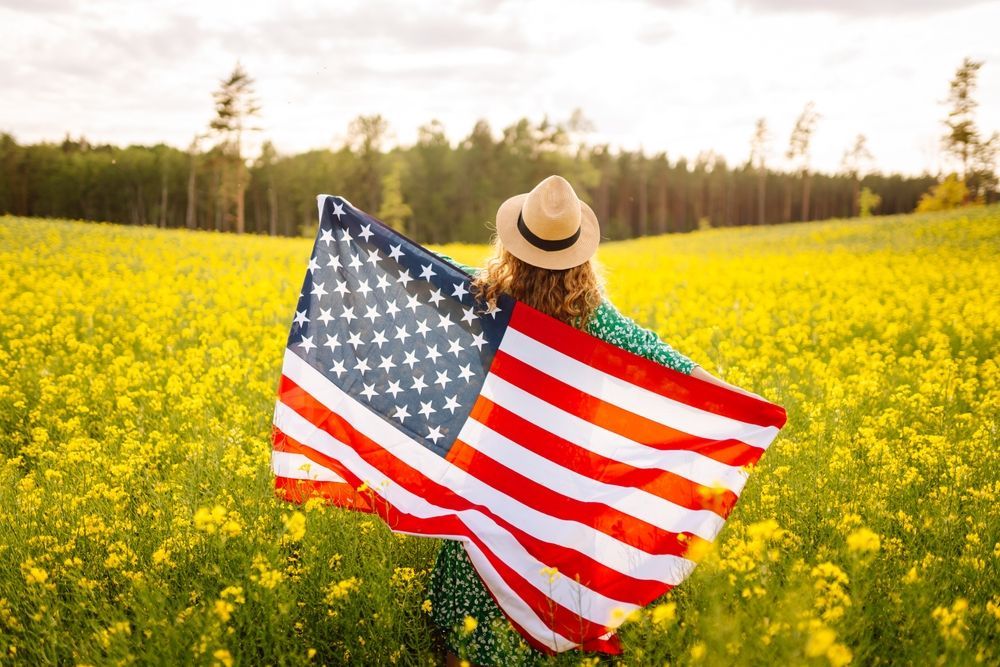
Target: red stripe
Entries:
(642, 372)
(615, 419)
(574, 564)
(565, 621)
(344, 494)
(666, 485)
(599, 516)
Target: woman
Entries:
(543, 256)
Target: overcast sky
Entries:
(674, 75)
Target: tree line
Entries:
(437, 191)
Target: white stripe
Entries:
(689, 465)
(633, 398)
(599, 546)
(629, 500)
(297, 466)
(564, 591)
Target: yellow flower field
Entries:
(138, 371)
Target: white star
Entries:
(363, 287)
(345, 236)
(422, 328)
(436, 297)
(349, 314)
(307, 343)
(412, 303)
(465, 373)
(318, 290)
(427, 272)
(411, 358)
(355, 262)
(432, 353)
(445, 322)
(313, 264)
(401, 412)
(459, 291)
(492, 312)
(300, 317)
(442, 378)
(394, 388)
(467, 315)
(369, 391)
(325, 316)
(362, 365)
(426, 409)
(435, 434)
(372, 313)
(382, 283)
(334, 261)
(387, 363)
(455, 346)
(391, 309)
(327, 236)
(373, 258)
(401, 334)
(338, 209)
(395, 251)
(355, 340)
(366, 232)
(342, 287)
(451, 402)
(478, 341)
(418, 384)
(332, 342)
(404, 277)
(380, 338)
(338, 368)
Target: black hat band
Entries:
(546, 244)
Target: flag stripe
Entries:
(633, 369)
(297, 466)
(365, 432)
(532, 438)
(689, 465)
(633, 516)
(576, 598)
(629, 396)
(617, 419)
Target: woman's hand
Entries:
(702, 374)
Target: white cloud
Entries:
(676, 76)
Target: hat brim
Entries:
(578, 253)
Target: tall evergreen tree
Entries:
(235, 105)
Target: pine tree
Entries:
(235, 105)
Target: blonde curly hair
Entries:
(569, 295)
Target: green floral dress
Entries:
(456, 591)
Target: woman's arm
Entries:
(702, 374)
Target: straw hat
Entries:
(549, 227)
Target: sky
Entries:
(681, 76)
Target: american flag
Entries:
(582, 479)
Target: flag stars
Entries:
(369, 391)
(355, 340)
(318, 290)
(422, 328)
(401, 412)
(445, 322)
(396, 252)
(327, 237)
(334, 261)
(355, 262)
(404, 278)
(383, 283)
(455, 347)
(341, 287)
(338, 368)
(465, 372)
(442, 379)
(492, 311)
(459, 291)
(379, 339)
(426, 409)
(478, 340)
(366, 232)
(387, 363)
(451, 403)
(427, 272)
(325, 316)
(338, 210)
(435, 434)
(373, 258)
(371, 312)
(348, 314)
(468, 316)
(332, 342)
(411, 358)
(391, 308)
(401, 334)
(394, 389)
(307, 343)
(300, 317)
(432, 353)
(418, 384)
(313, 265)
(436, 297)
(364, 288)
(412, 302)
(362, 365)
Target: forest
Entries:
(439, 191)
